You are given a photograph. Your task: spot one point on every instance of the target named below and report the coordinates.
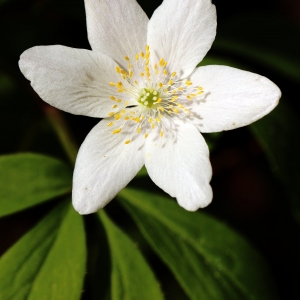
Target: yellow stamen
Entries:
(117, 131)
(127, 142)
(110, 124)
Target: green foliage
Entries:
(131, 277)
(279, 134)
(48, 262)
(29, 179)
(209, 259)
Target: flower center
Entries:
(149, 96)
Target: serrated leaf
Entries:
(131, 278)
(279, 134)
(209, 260)
(28, 179)
(48, 262)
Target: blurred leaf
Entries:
(28, 179)
(268, 39)
(279, 134)
(208, 259)
(142, 172)
(132, 278)
(48, 262)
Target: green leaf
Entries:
(267, 39)
(131, 278)
(279, 134)
(29, 179)
(48, 262)
(209, 260)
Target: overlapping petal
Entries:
(104, 166)
(73, 80)
(116, 28)
(232, 97)
(182, 32)
(180, 166)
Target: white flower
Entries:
(141, 77)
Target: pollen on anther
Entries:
(115, 106)
(111, 114)
(126, 57)
(117, 131)
(112, 84)
(161, 134)
(110, 124)
(127, 142)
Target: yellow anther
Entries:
(200, 88)
(136, 82)
(158, 100)
(126, 57)
(111, 113)
(161, 134)
(142, 54)
(174, 98)
(118, 69)
(147, 48)
(142, 74)
(153, 126)
(137, 119)
(189, 97)
(193, 95)
(160, 84)
(110, 124)
(173, 74)
(170, 82)
(115, 106)
(180, 89)
(112, 98)
(150, 120)
(158, 120)
(165, 72)
(119, 84)
(137, 56)
(146, 135)
(126, 103)
(200, 93)
(147, 55)
(138, 130)
(117, 116)
(161, 108)
(123, 72)
(120, 90)
(155, 66)
(127, 142)
(117, 131)
(175, 110)
(119, 100)
(143, 117)
(130, 73)
(148, 74)
(188, 82)
(161, 62)
(126, 118)
(112, 84)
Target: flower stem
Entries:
(62, 131)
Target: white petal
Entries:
(73, 80)
(116, 28)
(181, 166)
(182, 32)
(232, 98)
(104, 166)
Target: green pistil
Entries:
(148, 97)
